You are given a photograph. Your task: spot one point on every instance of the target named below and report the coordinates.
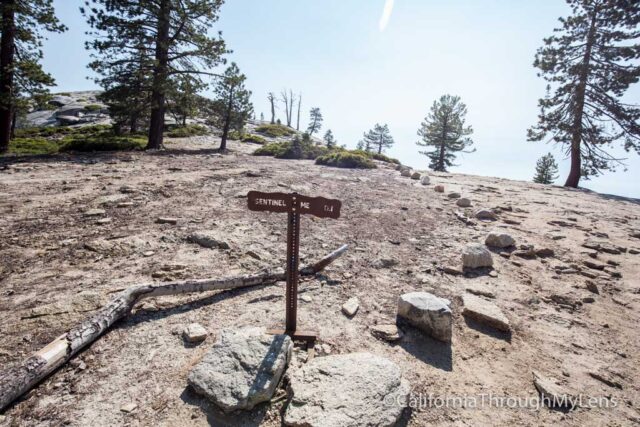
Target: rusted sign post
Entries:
(295, 205)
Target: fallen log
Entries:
(16, 381)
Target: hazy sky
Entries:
(368, 61)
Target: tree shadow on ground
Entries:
(431, 351)
(217, 417)
(487, 330)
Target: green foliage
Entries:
(254, 139)
(49, 140)
(546, 170)
(275, 130)
(315, 120)
(384, 158)
(589, 64)
(444, 129)
(37, 145)
(298, 148)
(329, 139)
(187, 131)
(64, 94)
(235, 135)
(377, 139)
(346, 159)
(93, 107)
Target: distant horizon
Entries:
(386, 62)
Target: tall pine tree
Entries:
(590, 63)
(445, 130)
(315, 121)
(377, 139)
(329, 139)
(177, 40)
(232, 106)
(21, 75)
(546, 170)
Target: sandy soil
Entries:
(57, 265)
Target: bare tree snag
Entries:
(16, 381)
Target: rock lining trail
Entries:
(57, 264)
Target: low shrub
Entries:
(345, 159)
(93, 107)
(275, 130)
(384, 158)
(254, 139)
(37, 145)
(234, 135)
(103, 143)
(187, 131)
(296, 149)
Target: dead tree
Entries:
(16, 381)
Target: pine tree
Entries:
(176, 40)
(315, 123)
(546, 170)
(444, 129)
(232, 106)
(329, 140)
(21, 75)
(183, 100)
(590, 63)
(377, 139)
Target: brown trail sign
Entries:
(294, 204)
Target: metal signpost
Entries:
(294, 204)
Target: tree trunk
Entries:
(7, 50)
(133, 124)
(440, 166)
(273, 111)
(184, 120)
(298, 120)
(14, 122)
(160, 74)
(291, 99)
(227, 122)
(573, 179)
(16, 381)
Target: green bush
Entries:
(288, 150)
(254, 139)
(51, 131)
(345, 159)
(37, 145)
(234, 135)
(103, 143)
(187, 131)
(93, 107)
(275, 130)
(384, 158)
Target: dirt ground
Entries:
(57, 265)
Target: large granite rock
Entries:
(358, 389)
(242, 369)
(427, 312)
(476, 256)
(484, 312)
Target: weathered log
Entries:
(16, 381)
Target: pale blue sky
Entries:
(334, 52)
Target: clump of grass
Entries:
(296, 149)
(275, 130)
(187, 131)
(37, 145)
(103, 143)
(345, 159)
(92, 108)
(254, 139)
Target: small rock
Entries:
(306, 298)
(242, 369)
(415, 175)
(128, 408)
(389, 333)
(103, 221)
(594, 265)
(207, 240)
(606, 380)
(484, 312)
(545, 252)
(476, 256)
(453, 195)
(405, 172)
(454, 271)
(346, 390)
(525, 253)
(425, 180)
(125, 205)
(634, 251)
(439, 188)
(499, 239)
(94, 212)
(350, 308)
(486, 215)
(463, 202)
(148, 253)
(592, 287)
(552, 394)
(427, 312)
(194, 333)
(385, 263)
(166, 220)
(477, 290)
(588, 300)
